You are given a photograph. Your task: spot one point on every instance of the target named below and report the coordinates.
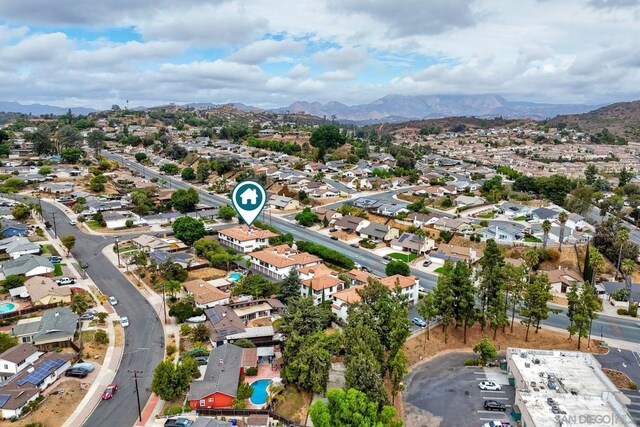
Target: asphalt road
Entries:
(144, 338)
(607, 327)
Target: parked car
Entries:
(387, 257)
(331, 230)
(178, 422)
(124, 321)
(113, 300)
(334, 238)
(73, 222)
(427, 263)
(366, 270)
(202, 360)
(494, 405)
(109, 391)
(496, 424)
(83, 265)
(76, 372)
(489, 385)
(87, 316)
(65, 281)
(55, 259)
(419, 322)
(84, 365)
(421, 289)
(354, 245)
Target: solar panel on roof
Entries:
(42, 372)
(4, 398)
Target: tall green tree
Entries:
(352, 408)
(397, 370)
(188, 174)
(291, 286)
(188, 229)
(491, 279)
(428, 309)
(68, 242)
(534, 308)
(584, 311)
(79, 304)
(326, 137)
(628, 268)
(203, 171)
(464, 309)
(445, 297)
(563, 217)
(397, 267)
(624, 176)
(67, 136)
(95, 140)
(515, 281)
(185, 200)
(622, 238)
(591, 173)
(546, 228)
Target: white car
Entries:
(113, 300)
(124, 321)
(489, 385)
(495, 424)
(72, 222)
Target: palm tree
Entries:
(562, 217)
(622, 238)
(628, 268)
(546, 228)
(597, 263)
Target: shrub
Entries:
(251, 372)
(471, 362)
(173, 410)
(171, 350)
(622, 312)
(633, 386)
(329, 255)
(101, 337)
(633, 310)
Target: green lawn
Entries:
(439, 270)
(487, 215)
(57, 269)
(45, 250)
(406, 257)
(532, 239)
(50, 250)
(520, 218)
(94, 225)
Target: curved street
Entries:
(144, 338)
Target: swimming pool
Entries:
(234, 277)
(7, 307)
(260, 393)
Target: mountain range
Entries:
(40, 109)
(391, 108)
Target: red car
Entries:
(109, 391)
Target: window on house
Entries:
(202, 402)
(211, 400)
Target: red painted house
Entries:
(219, 385)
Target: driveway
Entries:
(443, 392)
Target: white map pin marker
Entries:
(248, 198)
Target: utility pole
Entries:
(164, 301)
(118, 251)
(135, 377)
(55, 229)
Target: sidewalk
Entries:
(154, 405)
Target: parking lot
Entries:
(443, 392)
(628, 362)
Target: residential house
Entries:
(57, 328)
(514, 210)
(26, 386)
(25, 329)
(378, 232)
(348, 223)
(454, 253)
(17, 246)
(258, 420)
(409, 242)
(147, 243)
(244, 239)
(323, 193)
(319, 282)
(457, 225)
(392, 209)
(43, 291)
(342, 300)
(205, 295)
(542, 214)
(503, 232)
(16, 359)
(27, 265)
(283, 203)
(561, 280)
(276, 262)
(184, 260)
(422, 220)
(11, 228)
(328, 215)
(165, 218)
(222, 322)
(219, 384)
(57, 187)
(256, 308)
(358, 277)
(360, 184)
(117, 220)
(468, 201)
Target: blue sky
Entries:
(269, 54)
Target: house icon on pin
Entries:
(249, 197)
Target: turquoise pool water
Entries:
(7, 307)
(234, 277)
(260, 394)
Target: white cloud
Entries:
(346, 57)
(263, 50)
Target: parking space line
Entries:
(499, 398)
(635, 411)
(487, 419)
(492, 391)
(489, 412)
(479, 373)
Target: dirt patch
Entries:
(56, 408)
(466, 243)
(92, 351)
(293, 404)
(419, 347)
(178, 402)
(260, 322)
(119, 332)
(620, 379)
(560, 300)
(207, 273)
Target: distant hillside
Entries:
(621, 119)
(394, 108)
(446, 124)
(40, 109)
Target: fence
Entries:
(245, 413)
(18, 313)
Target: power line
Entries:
(135, 377)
